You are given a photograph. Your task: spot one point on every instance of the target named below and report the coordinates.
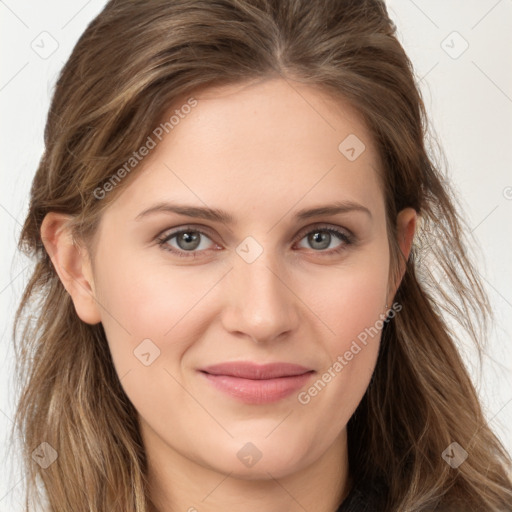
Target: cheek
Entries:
(351, 301)
(145, 308)
(353, 307)
(362, 305)
(141, 301)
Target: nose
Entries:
(260, 303)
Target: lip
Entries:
(257, 384)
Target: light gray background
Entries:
(469, 98)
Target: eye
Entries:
(321, 238)
(187, 240)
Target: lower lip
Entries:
(262, 391)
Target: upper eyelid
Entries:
(322, 225)
(170, 232)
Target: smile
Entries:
(257, 384)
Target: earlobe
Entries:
(72, 264)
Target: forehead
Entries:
(259, 145)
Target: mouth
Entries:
(252, 383)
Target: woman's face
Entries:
(271, 283)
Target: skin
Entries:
(261, 152)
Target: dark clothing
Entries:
(364, 498)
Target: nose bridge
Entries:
(260, 304)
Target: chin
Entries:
(261, 463)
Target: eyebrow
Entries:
(217, 215)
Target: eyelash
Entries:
(348, 239)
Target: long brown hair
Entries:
(130, 65)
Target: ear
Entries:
(405, 228)
(72, 264)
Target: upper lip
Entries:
(250, 370)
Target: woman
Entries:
(194, 347)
